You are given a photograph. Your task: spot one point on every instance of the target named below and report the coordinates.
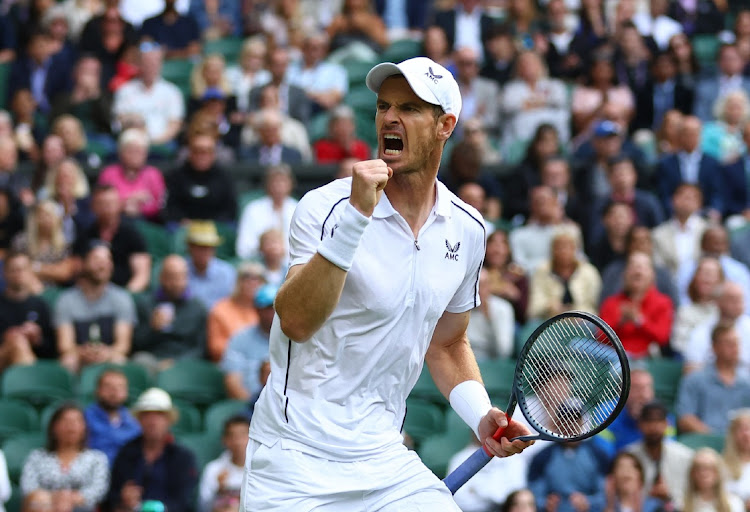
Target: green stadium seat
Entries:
(426, 389)
(177, 70)
(16, 499)
(357, 72)
(50, 295)
(17, 448)
(229, 47)
(317, 128)
(497, 375)
(423, 419)
(158, 239)
(196, 381)
(188, 420)
(219, 413)
(16, 417)
(204, 447)
(667, 374)
(706, 48)
(39, 384)
(695, 440)
(138, 379)
(436, 452)
(4, 76)
(456, 428)
(249, 196)
(524, 333)
(401, 50)
(361, 99)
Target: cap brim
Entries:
(379, 73)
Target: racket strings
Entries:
(571, 379)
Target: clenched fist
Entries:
(368, 181)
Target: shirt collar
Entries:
(442, 207)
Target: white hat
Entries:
(154, 400)
(428, 79)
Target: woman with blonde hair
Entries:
(45, 243)
(706, 490)
(249, 72)
(565, 282)
(702, 307)
(722, 138)
(737, 455)
(73, 176)
(210, 74)
(67, 186)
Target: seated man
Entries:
(342, 141)
(222, 477)
(708, 396)
(210, 278)
(95, 318)
(132, 262)
(152, 466)
(25, 325)
(109, 423)
(248, 350)
(665, 462)
(172, 323)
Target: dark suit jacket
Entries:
(683, 98)
(300, 107)
(447, 21)
(58, 77)
(289, 155)
(416, 12)
(736, 182)
(646, 206)
(669, 176)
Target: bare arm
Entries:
(140, 267)
(692, 423)
(173, 128)
(122, 342)
(451, 362)
(66, 346)
(60, 272)
(234, 387)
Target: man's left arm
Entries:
(455, 372)
(140, 269)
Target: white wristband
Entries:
(340, 247)
(471, 402)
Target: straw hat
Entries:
(203, 232)
(155, 400)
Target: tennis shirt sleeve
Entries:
(310, 216)
(467, 295)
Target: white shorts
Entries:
(284, 480)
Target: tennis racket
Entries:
(571, 380)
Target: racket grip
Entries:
(468, 469)
(500, 431)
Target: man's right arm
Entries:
(313, 289)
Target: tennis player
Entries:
(384, 274)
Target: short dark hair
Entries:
(62, 409)
(720, 329)
(437, 110)
(110, 371)
(654, 411)
(619, 159)
(15, 254)
(102, 187)
(237, 419)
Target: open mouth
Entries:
(392, 144)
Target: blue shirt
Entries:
(216, 284)
(624, 430)
(107, 435)
(245, 353)
(704, 395)
(176, 36)
(564, 469)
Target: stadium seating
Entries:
(4, 75)
(138, 379)
(17, 448)
(198, 382)
(158, 239)
(204, 447)
(426, 389)
(220, 412)
(401, 50)
(667, 374)
(228, 47)
(40, 384)
(695, 440)
(189, 418)
(423, 418)
(16, 417)
(497, 375)
(437, 451)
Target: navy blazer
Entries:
(736, 181)
(58, 77)
(669, 176)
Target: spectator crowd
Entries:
(152, 155)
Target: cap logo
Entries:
(432, 76)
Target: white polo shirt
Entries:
(342, 394)
(159, 105)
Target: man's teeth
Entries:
(391, 136)
(392, 152)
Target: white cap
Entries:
(428, 79)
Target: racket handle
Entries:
(468, 469)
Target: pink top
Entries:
(149, 183)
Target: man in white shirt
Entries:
(150, 100)
(657, 24)
(325, 83)
(222, 477)
(677, 240)
(384, 270)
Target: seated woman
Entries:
(702, 307)
(70, 129)
(625, 489)
(706, 490)
(45, 243)
(564, 283)
(357, 31)
(506, 279)
(67, 186)
(737, 455)
(77, 477)
(52, 153)
(722, 138)
(249, 72)
(492, 324)
(141, 186)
